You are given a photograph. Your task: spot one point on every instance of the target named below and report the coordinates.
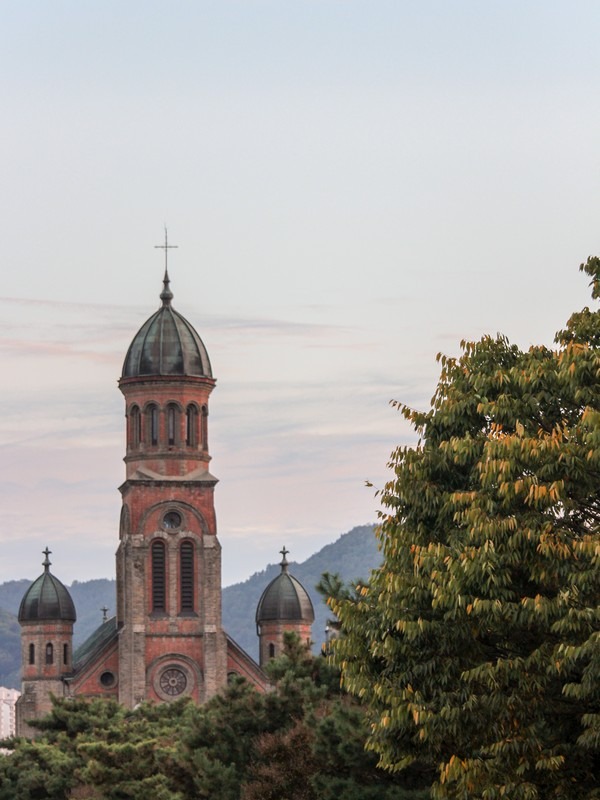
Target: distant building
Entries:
(8, 699)
(166, 640)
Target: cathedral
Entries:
(166, 640)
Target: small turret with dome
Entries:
(46, 615)
(284, 606)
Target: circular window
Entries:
(107, 679)
(173, 682)
(172, 520)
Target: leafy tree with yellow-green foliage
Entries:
(476, 644)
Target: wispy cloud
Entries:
(282, 426)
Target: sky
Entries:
(352, 186)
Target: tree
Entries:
(285, 766)
(97, 749)
(476, 643)
(318, 748)
(303, 740)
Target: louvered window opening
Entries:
(158, 577)
(152, 416)
(204, 433)
(136, 427)
(171, 428)
(191, 435)
(186, 572)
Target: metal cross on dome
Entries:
(166, 247)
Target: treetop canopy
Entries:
(476, 643)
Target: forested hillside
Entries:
(10, 650)
(353, 555)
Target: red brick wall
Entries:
(271, 632)
(40, 634)
(240, 663)
(88, 682)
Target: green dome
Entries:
(47, 599)
(166, 344)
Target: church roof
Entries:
(47, 599)
(95, 643)
(166, 344)
(285, 599)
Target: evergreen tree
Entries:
(476, 643)
(303, 740)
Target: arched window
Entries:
(135, 427)
(186, 576)
(32, 654)
(271, 650)
(65, 654)
(191, 426)
(204, 428)
(159, 575)
(124, 521)
(49, 654)
(152, 424)
(172, 424)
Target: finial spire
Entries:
(46, 562)
(284, 561)
(166, 295)
(104, 611)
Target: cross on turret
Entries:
(166, 295)
(166, 247)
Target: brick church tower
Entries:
(171, 642)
